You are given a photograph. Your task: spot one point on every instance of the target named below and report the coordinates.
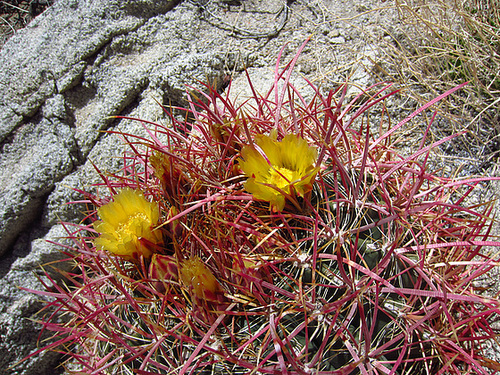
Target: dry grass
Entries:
(441, 44)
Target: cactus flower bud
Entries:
(200, 280)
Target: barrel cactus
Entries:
(278, 236)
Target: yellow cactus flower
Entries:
(127, 225)
(286, 169)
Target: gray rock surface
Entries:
(83, 61)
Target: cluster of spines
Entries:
(369, 270)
